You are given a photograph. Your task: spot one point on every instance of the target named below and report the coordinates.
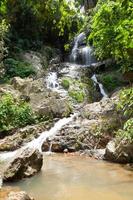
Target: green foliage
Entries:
(3, 49)
(18, 68)
(112, 31)
(127, 131)
(125, 104)
(65, 84)
(77, 95)
(14, 113)
(43, 19)
(111, 81)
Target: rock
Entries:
(96, 153)
(54, 107)
(26, 163)
(91, 130)
(21, 84)
(18, 196)
(36, 60)
(119, 151)
(22, 136)
(55, 60)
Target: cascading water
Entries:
(87, 55)
(74, 53)
(81, 53)
(37, 143)
(52, 81)
(94, 78)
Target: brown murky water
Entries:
(79, 178)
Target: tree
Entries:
(112, 31)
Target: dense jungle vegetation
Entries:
(28, 24)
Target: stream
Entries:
(71, 177)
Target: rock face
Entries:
(18, 196)
(92, 130)
(119, 151)
(26, 163)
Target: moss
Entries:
(65, 83)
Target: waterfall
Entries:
(81, 53)
(38, 142)
(94, 78)
(87, 55)
(74, 52)
(52, 81)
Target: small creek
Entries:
(74, 177)
(70, 177)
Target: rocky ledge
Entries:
(26, 163)
(90, 131)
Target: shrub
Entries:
(112, 31)
(3, 49)
(127, 131)
(18, 68)
(14, 113)
(125, 104)
(77, 95)
(111, 81)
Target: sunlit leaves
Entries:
(112, 30)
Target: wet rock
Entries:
(90, 131)
(22, 136)
(95, 153)
(119, 151)
(18, 196)
(26, 163)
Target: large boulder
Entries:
(119, 151)
(18, 196)
(54, 107)
(26, 163)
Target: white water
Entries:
(52, 80)
(94, 78)
(38, 142)
(80, 52)
(74, 53)
(87, 55)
